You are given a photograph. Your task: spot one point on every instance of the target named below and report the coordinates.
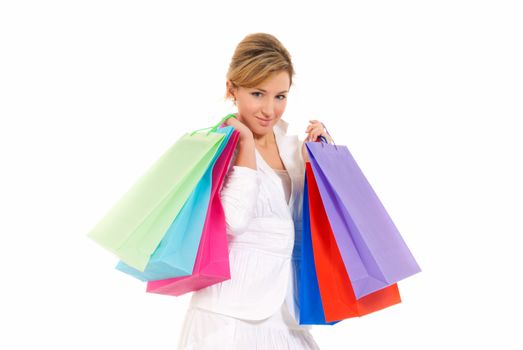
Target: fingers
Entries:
(315, 129)
(313, 136)
(234, 121)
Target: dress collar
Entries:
(281, 127)
(285, 148)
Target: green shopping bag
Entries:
(136, 224)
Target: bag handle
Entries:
(323, 139)
(214, 128)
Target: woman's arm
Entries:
(246, 156)
(239, 195)
(241, 185)
(246, 147)
(304, 153)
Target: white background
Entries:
(427, 95)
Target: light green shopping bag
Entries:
(136, 224)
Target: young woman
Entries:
(262, 198)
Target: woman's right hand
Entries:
(245, 132)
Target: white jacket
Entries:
(263, 231)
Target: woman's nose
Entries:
(268, 109)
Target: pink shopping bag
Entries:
(212, 260)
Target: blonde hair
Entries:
(256, 58)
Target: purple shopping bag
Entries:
(373, 251)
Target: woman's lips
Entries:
(264, 122)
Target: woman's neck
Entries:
(266, 140)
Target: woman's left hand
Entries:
(315, 130)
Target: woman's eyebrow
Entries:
(281, 92)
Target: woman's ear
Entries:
(231, 90)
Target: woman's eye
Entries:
(280, 97)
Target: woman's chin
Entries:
(262, 131)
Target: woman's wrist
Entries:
(246, 142)
(246, 138)
(246, 156)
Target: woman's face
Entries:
(261, 107)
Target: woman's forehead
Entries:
(277, 83)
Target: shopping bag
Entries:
(176, 253)
(212, 259)
(309, 298)
(337, 295)
(134, 226)
(373, 251)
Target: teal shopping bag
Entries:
(135, 225)
(176, 253)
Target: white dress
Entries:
(203, 329)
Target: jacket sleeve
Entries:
(239, 195)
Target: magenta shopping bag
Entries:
(372, 249)
(212, 260)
